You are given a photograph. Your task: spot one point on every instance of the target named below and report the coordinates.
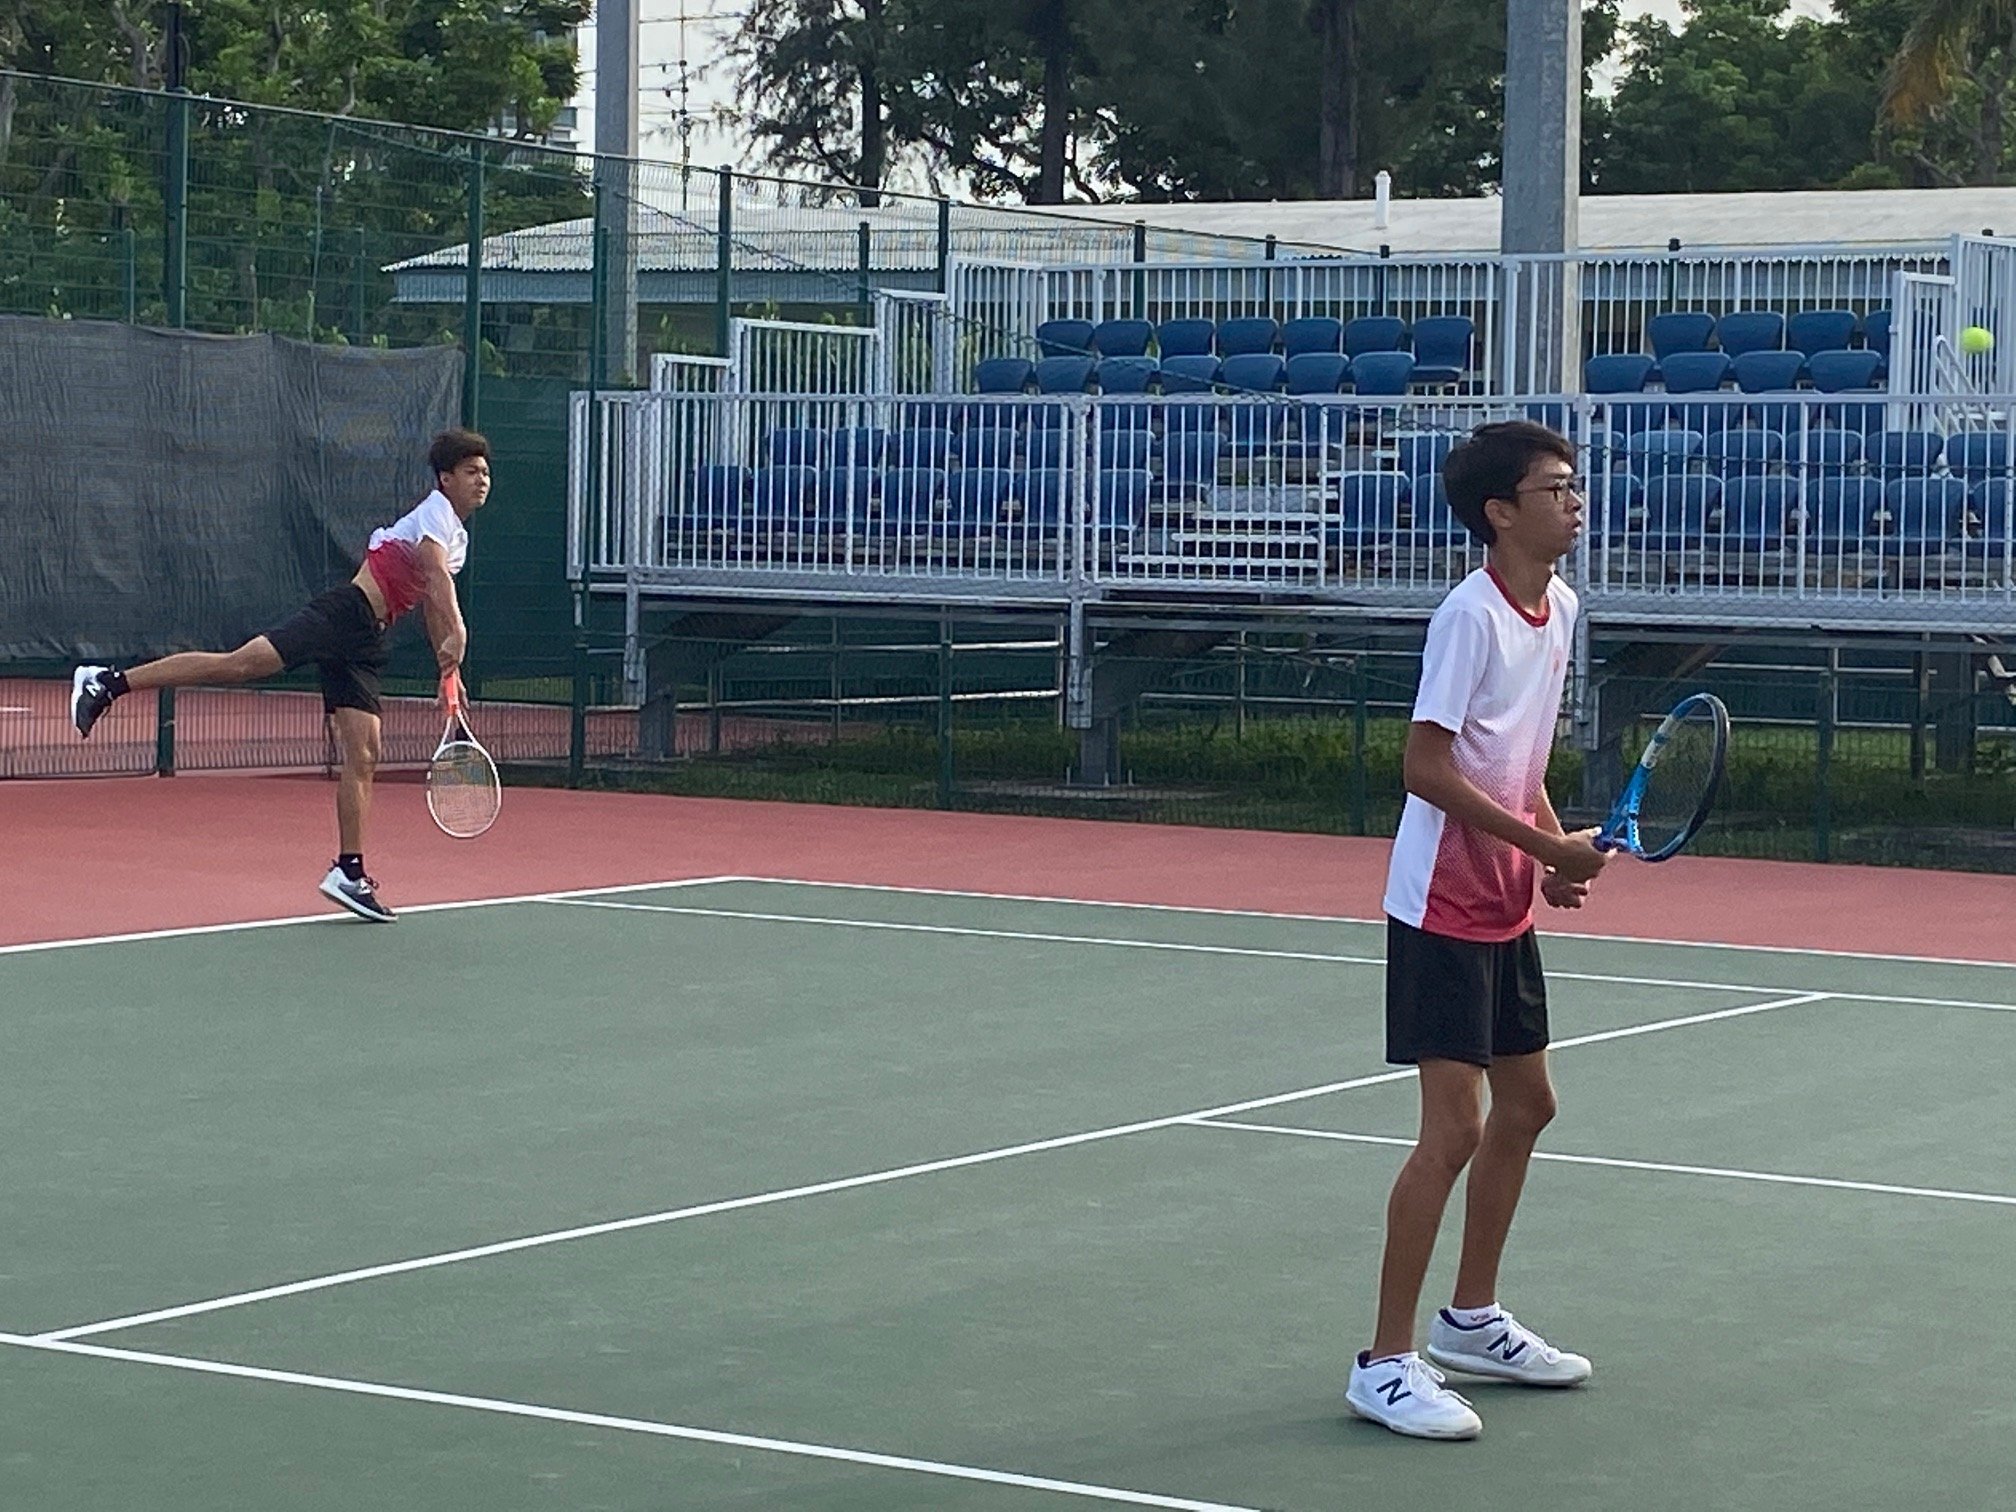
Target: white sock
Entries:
(1472, 1317)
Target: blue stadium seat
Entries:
(1064, 338)
(1749, 331)
(1754, 511)
(1744, 452)
(847, 490)
(1063, 375)
(1189, 461)
(1842, 510)
(1616, 373)
(1382, 374)
(1694, 372)
(1374, 333)
(973, 495)
(920, 448)
(1126, 416)
(1190, 373)
(1047, 450)
(1673, 331)
(1677, 507)
(1821, 450)
(1978, 455)
(1185, 338)
(1252, 373)
(801, 447)
(1615, 497)
(1247, 334)
(1121, 507)
(1002, 375)
(1368, 510)
(1768, 372)
(1122, 338)
(1312, 334)
(859, 446)
(784, 493)
(989, 445)
(1987, 519)
(1442, 349)
(1920, 510)
(912, 493)
(1127, 450)
(1876, 337)
(1665, 451)
(1318, 372)
(1812, 331)
(1425, 452)
(1893, 454)
(1037, 498)
(1432, 521)
(1255, 428)
(1126, 375)
(1840, 371)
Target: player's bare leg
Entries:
(92, 689)
(357, 735)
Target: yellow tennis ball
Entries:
(1976, 339)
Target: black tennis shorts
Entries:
(1462, 1000)
(338, 632)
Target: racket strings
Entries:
(462, 790)
(1679, 781)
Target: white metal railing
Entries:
(1749, 506)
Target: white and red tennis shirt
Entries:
(1492, 674)
(394, 552)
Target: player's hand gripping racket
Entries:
(1674, 786)
(463, 793)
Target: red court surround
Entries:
(116, 855)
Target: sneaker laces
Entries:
(1425, 1381)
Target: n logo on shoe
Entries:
(1394, 1390)
(1506, 1349)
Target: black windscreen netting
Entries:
(163, 491)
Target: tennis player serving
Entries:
(343, 631)
(1465, 999)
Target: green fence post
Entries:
(175, 280)
(944, 244)
(863, 252)
(833, 679)
(472, 296)
(359, 296)
(129, 249)
(577, 713)
(724, 259)
(945, 773)
(1359, 767)
(1140, 276)
(1823, 763)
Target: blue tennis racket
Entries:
(1673, 787)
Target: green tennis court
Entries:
(769, 1195)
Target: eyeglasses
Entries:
(1561, 488)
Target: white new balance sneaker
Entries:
(1406, 1394)
(1504, 1348)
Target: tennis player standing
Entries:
(1465, 999)
(343, 631)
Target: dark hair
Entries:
(454, 447)
(1490, 465)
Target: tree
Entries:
(1739, 98)
(1946, 85)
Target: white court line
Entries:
(1185, 948)
(335, 915)
(845, 1183)
(646, 1426)
(1772, 1177)
(1305, 918)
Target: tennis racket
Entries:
(1670, 793)
(463, 793)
